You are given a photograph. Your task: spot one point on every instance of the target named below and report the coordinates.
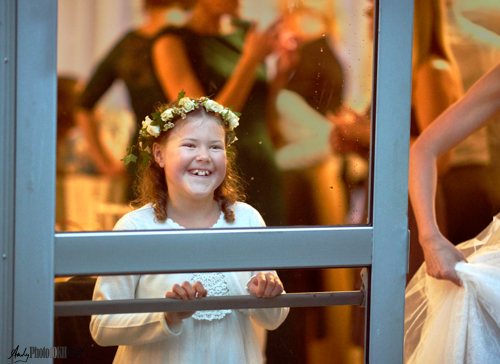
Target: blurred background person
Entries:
(436, 84)
(67, 160)
(202, 58)
(129, 61)
(310, 82)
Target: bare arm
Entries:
(175, 73)
(451, 127)
(437, 87)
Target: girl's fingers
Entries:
(179, 291)
(266, 285)
(188, 288)
(200, 291)
(278, 287)
(186, 291)
(270, 283)
(261, 284)
(254, 285)
(274, 287)
(172, 295)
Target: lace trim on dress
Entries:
(216, 285)
(175, 225)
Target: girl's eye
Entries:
(188, 145)
(216, 147)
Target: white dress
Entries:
(222, 336)
(445, 323)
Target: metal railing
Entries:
(85, 308)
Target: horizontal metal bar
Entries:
(86, 308)
(137, 252)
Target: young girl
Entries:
(188, 181)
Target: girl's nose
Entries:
(203, 155)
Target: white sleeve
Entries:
(268, 318)
(125, 223)
(256, 220)
(132, 328)
(127, 329)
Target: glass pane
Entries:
(307, 335)
(304, 133)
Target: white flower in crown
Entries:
(167, 115)
(230, 118)
(163, 123)
(168, 125)
(153, 130)
(211, 105)
(146, 122)
(187, 104)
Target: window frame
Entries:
(33, 254)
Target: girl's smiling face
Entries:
(193, 157)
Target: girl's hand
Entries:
(185, 292)
(441, 256)
(265, 285)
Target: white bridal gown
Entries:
(445, 323)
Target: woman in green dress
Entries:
(200, 60)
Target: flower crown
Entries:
(162, 121)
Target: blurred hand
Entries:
(350, 132)
(185, 292)
(340, 145)
(288, 60)
(260, 43)
(347, 121)
(265, 285)
(114, 169)
(441, 256)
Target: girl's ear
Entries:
(157, 155)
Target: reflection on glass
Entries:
(307, 335)
(301, 79)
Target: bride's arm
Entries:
(455, 124)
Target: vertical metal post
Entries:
(28, 175)
(35, 101)
(7, 155)
(390, 180)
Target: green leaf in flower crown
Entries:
(238, 114)
(156, 116)
(181, 95)
(129, 158)
(145, 157)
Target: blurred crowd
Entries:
(300, 73)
